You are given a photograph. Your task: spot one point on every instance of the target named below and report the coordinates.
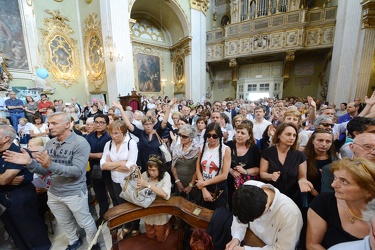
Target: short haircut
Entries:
(249, 203)
(118, 125)
(147, 119)
(105, 117)
(65, 116)
(6, 130)
(294, 113)
(190, 130)
(320, 119)
(201, 119)
(359, 124)
(35, 117)
(260, 107)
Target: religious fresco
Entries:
(148, 73)
(12, 41)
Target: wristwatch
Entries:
(149, 186)
(191, 185)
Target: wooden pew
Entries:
(191, 213)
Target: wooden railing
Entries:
(191, 213)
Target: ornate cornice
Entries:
(200, 5)
(368, 14)
(181, 49)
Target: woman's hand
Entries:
(231, 245)
(240, 169)
(188, 189)
(108, 158)
(200, 184)
(173, 136)
(275, 176)
(180, 186)
(117, 105)
(142, 183)
(206, 195)
(305, 185)
(234, 173)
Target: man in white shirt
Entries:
(260, 123)
(272, 216)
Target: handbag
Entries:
(164, 149)
(132, 193)
(96, 172)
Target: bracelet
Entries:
(191, 185)
(178, 180)
(149, 186)
(247, 172)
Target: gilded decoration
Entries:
(288, 61)
(149, 64)
(60, 50)
(200, 5)
(93, 46)
(179, 73)
(368, 14)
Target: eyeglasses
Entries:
(366, 147)
(147, 124)
(100, 123)
(215, 136)
(183, 136)
(327, 125)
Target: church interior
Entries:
(196, 49)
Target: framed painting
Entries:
(148, 73)
(12, 41)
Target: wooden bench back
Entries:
(191, 213)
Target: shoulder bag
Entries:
(164, 149)
(132, 193)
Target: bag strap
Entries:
(110, 145)
(159, 139)
(128, 179)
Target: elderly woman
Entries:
(324, 122)
(184, 159)
(337, 217)
(119, 156)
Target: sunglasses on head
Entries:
(327, 125)
(183, 136)
(215, 136)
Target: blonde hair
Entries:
(361, 170)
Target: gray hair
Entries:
(190, 130)
(90, 120)
(140, 113)
(299, 104)
(129, 114)
(369, 213)
(321, 119)
(7, 130)
(66, 116)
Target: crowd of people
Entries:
(298, 172)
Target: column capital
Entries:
(200, 5)
(368, 14)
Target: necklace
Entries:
(353, 217)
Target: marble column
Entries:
(115, 16)
(341, 87)
(196, 61)
(353, 51)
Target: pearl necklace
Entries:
(353, 217)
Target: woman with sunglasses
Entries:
(212, 169)
(184, 157)
(324, 122)
(337, 217)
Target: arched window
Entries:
(146, 29)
